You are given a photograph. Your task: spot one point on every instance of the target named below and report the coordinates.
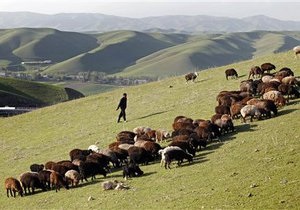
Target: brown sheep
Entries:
(31, 180)
(267, 67)
(255, 72)
(267, 105)
(73, 177)
(161, 135)
(12, 186)
(235, 110)
(296, 50)
(222, 109)
(232, 73)
(57, 181)
(79, 154)
(290, 80)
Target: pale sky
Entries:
(284, 10)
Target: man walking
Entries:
(122, 105)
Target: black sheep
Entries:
(178, 155)
(131, 170)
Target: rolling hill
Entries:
(255, 167)
(22, 93)
(136, 54)
(87, 22)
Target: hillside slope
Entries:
(254, 168)
(22, 93)
(135, 54)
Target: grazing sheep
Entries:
(296, 50)
(58, 181)
(79, 154)
(248, 86)
(12, 186)
(73, 177)
(250, 110)
(36, 167)
(126, 137)
(31, 180)
(267, 105)
(289, 80)
(90, 169)
(131, 170)
(232, 73)
(44, 177)
(267, 67)
(191, 76)
(222, 109)
(140, 130)
(267, 78)
(94, 148)
(111, 156)
(161, 135)
(163, 151)
(178, 155)
(235, 110)
(275, 96)
(255, 72)
(138, 155)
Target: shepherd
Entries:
(122, 105)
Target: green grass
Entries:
(42, 94)
(262, 153)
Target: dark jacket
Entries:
(123, 103)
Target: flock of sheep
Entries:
(143, 144)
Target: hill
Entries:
(87, 22)
(255, 167)
(22, 93)
(132, 53)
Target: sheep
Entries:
(126, 137)
(254, 71)
(79, 154)
(44, 177)
(31, 180)
(131, 170)
(296, 50)
(267, 105)
(125, 146)
(232, 73)
(267, 67)
(266, 78)
(140, 130)
(289, 80)
(275, 96)
(100, 159)
(94, 148)
(191, 76)
(57, 181)
(116, 185)
(36, 167)
(222, 109)
(161, 135)
(111, 156)
(73, 177)
(248, 86)
(139, 155)
(288, 90)
(12, 185)
(235, 110)
(185, 146)
(178, 155)
(163, 151)
(250, 110)
(90, 169)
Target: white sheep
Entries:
(72, 177)
(275, 96)
(296, 50)
(94, 148)
(250, 110)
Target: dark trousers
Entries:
(122, 114)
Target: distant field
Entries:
(254, 168)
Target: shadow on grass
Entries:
(286, 111)
(150, 115)
(243, 75)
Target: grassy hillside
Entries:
(131, 53)
(254, 168)
(25, 93)
(209, 52)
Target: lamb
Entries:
(191, 76)
(250, 110)
(178, 155)
(73, 177)
(12, 186)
